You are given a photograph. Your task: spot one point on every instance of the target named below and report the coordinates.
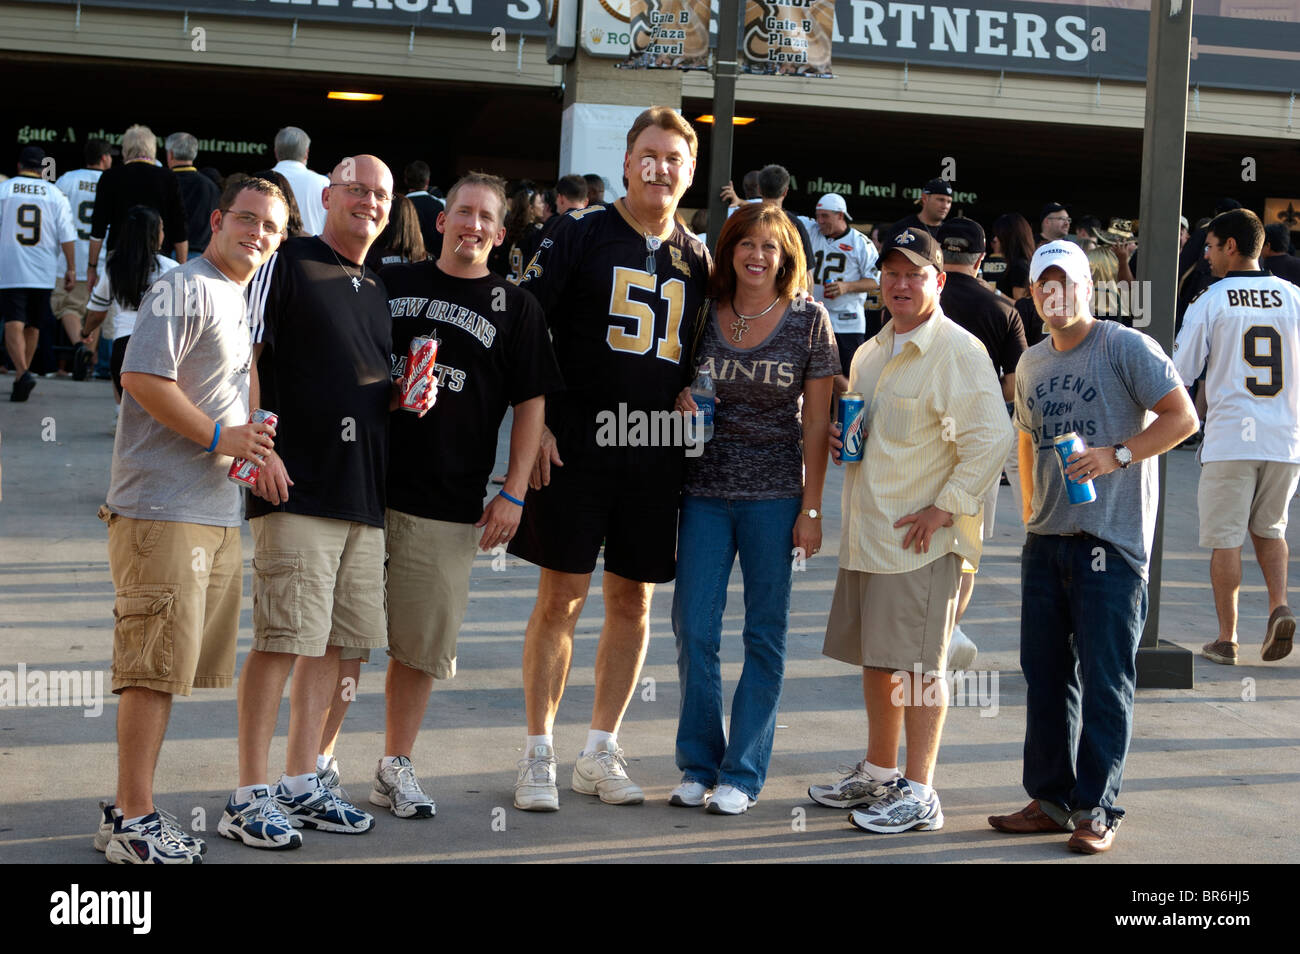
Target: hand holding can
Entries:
(420, 390)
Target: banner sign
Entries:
(669, 34)
(788, 37)
(1097, 39)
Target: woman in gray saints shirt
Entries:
(755, 491)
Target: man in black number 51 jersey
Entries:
(621, 286)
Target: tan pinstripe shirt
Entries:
(937, 433)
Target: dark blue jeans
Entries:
(1082, 612)
(713, 531)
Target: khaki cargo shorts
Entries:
(178, 588)
(317, 582)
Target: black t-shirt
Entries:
(622, 334)
(913, 221)
(426, 210)
(324, 370)
(199, 196)
(1283, 266)
(803, 237)
(493, 351)
(1030, 320)
(1015, 275)
(989, 318)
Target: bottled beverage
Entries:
(703, 393)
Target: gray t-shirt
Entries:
(192, 330)
(1102, 389)
(756, 452)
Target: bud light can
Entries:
(420, 372)
(244, 471)
(1067, 445)
(852, 417)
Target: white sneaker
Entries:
(729, 800)
(535, 791)
(397, 789)
(604, 773)
(961, 651)
(689, 795)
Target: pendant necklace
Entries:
(356, 279)
(741, 324)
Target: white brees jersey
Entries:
(79, 186)
(849, 258)
(1247, 326)
(35, 220)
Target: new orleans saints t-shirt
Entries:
(493, 351)
(324, 328)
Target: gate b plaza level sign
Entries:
(1071, 39)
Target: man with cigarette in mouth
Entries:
(493, 352)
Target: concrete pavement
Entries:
(1212, 773)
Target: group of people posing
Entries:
(619, 307)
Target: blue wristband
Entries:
(514, 500)
(216, 438)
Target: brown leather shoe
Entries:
(1091, 839)
(1281, 630)
(1029, 820)
(1221, 651)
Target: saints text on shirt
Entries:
(439, 310)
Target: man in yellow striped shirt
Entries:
(937, 434)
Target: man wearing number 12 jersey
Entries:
(622, 287)
(1246, 326)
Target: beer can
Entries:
(1067, 445)
(244, 471)
(420, 372)
(851, 414)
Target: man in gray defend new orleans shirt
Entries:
(173, 517)
(1084, 566)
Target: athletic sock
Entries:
(299, 784)
(595, 737)
(530, 745)
(880, 773)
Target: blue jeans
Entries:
(711, 532)
(1082, 612)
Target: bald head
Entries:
(357, 203)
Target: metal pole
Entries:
(1161, 664)
(724, 110)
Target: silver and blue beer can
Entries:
(851, 414)
(1067, 445)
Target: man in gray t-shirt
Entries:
(173, 517)
(1084, 566)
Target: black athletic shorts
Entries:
(634, 515)
(31, 306)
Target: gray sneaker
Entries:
(108, 812)
(397, 789)
(535, 790)
(856, 788)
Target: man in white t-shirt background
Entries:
(291, 148)
(1246, 328)
(35, 227)
(844, 270)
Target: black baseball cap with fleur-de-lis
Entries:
(917, 244)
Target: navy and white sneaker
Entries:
(901, 809)
(147, 842)
(323, 810)
(109, 812)
(258, 823)
(331, 778)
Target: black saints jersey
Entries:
(623, 309)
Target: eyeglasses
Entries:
(248, 220)
(358, 191)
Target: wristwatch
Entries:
(1123, 456)
(815, 514)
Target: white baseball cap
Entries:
(833, 202)
(1064, 255)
